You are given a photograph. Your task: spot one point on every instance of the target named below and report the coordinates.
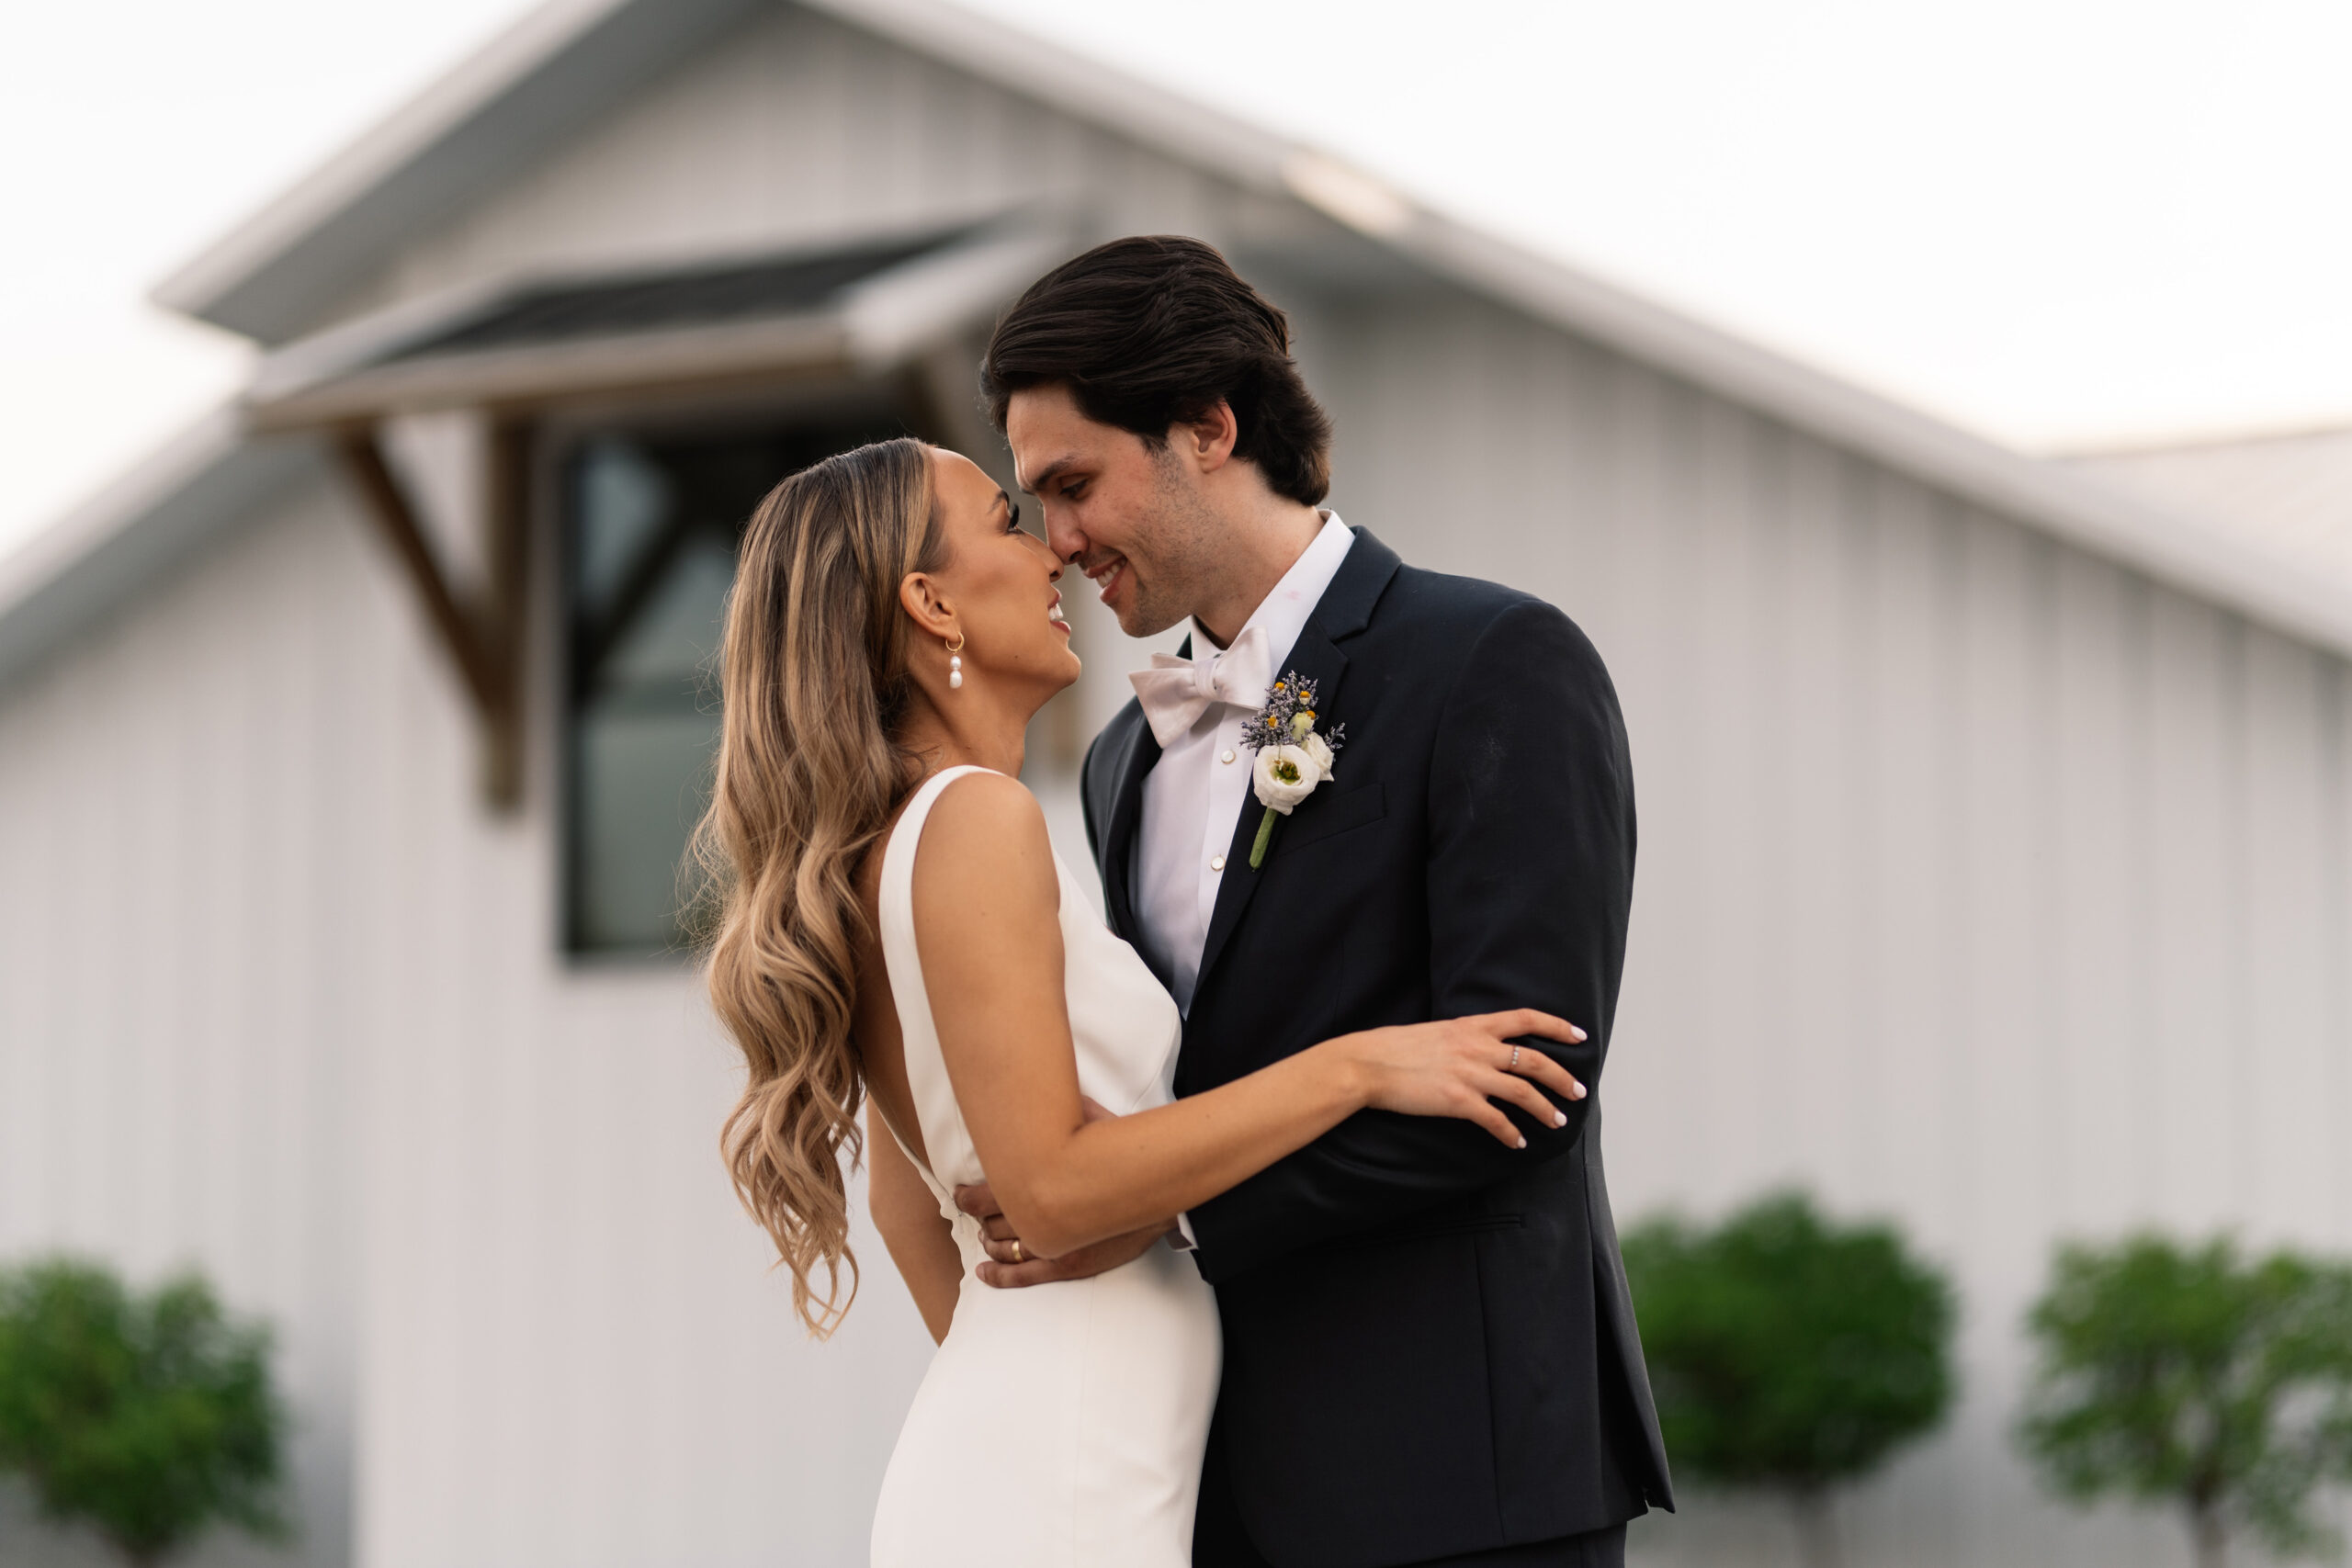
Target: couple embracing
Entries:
(1264, 1224)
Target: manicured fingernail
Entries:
(1559, 1119)
(1575, 1031)
(1523, 1141)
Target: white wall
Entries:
(174, 1082)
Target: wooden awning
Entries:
(534, 344)
(519, 350)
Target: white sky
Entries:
(2058, 222)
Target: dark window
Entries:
(650, 526)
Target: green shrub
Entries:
(146, 1416)
(2186, 1377)
(1790, 1354)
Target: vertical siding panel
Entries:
(1996, 1064)
(2198, 1011)
(2284, 1022)
(1817, 723)
(1713, 559)
(2336, 950)
(1660, 1014)
(2097, 807)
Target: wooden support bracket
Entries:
(483, 636)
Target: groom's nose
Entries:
(1068, 540)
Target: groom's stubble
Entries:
(1177, 546)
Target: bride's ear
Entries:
(920, 597)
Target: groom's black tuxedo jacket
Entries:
(1428, 1347)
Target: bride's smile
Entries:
(983, 607)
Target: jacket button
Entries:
(1216, 862)
(1226, 755)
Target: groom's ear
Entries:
(1205, 441)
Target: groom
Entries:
(1430, 1355)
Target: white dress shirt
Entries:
(1197, 790)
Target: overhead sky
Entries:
(2060, 223)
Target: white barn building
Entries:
(1996, 869)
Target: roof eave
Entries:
(197, 487)
(273, 276)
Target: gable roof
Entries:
(541, 82)
(567, 63)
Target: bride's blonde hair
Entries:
(814, 685)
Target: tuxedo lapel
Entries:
(1126, 819)
(1344, 611)
(1119, 838)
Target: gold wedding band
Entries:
(1016, 1251)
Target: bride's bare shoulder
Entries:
(986, 824)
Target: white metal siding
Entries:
(171, 968)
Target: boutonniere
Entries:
(1292, 758)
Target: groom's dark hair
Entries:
(1152, 330)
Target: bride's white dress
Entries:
(1062, 1424)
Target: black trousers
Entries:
(1594, 1548)
(1219, 1542)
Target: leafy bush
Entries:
(2187, 1377)
(146, 1416)
(1788, 1353)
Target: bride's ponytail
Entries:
(814, 682)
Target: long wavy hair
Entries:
(814, 687)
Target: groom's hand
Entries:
(1005, 1273)
(1009, 1267)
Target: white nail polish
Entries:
(1522, 1142)
(1559, 1119)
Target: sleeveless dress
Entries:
(1059, 1425)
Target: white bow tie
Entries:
(1175, 691)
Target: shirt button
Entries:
(1225, 755)
(1216, 862)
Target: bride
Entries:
(897, 930)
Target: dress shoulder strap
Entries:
(944, 1137)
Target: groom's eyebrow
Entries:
(1051, 472)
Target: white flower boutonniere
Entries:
(1292, 758)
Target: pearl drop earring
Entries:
(956, 663)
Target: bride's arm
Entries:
(987, 925)
(906, 1213)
